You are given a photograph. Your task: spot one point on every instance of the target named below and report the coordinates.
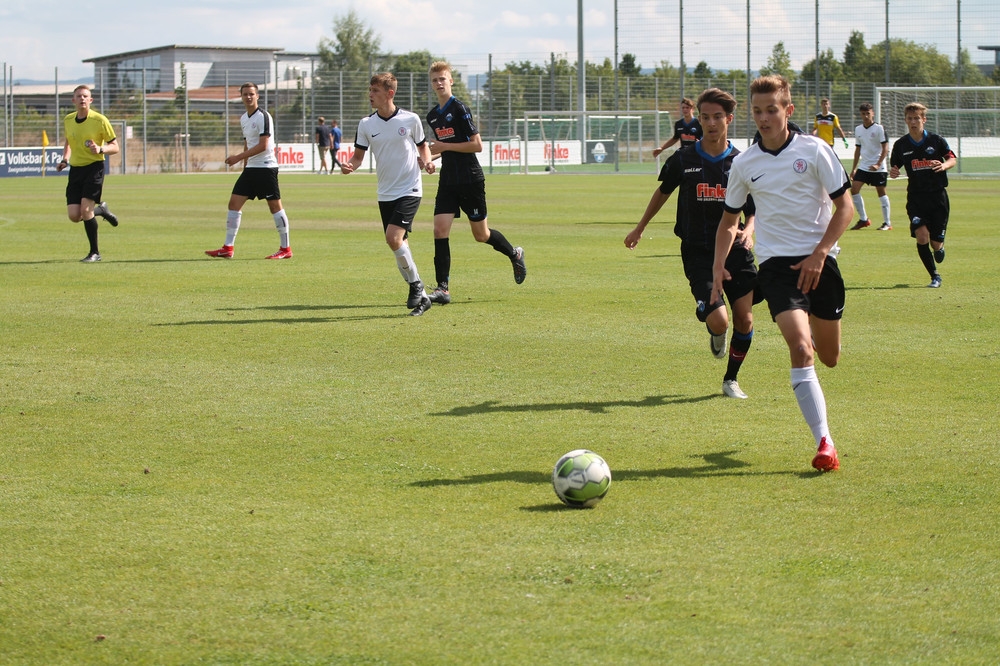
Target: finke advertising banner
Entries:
(15, 162)
(304, 157)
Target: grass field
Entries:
(258, 462)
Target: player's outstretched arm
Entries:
(652, 208)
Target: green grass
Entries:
(256, 462)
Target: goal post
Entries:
(968, 117)
(597, 140)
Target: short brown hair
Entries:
(385, 80)
(688, 101)
(866, 106)
(773, 83)
(82, 86)
(717, 96)
(439, 66)
(249, 84)
(915, 107)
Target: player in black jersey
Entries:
(687, 129)
(701, 171)
(926, 157)
(462, 185)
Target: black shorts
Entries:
(698, 269)
(778, 282)
(468, 197)
(931, 210)
(399, 213)
(876, 178)
(85, 182)
(258, 183)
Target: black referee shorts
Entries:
(85, 182)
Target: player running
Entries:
(926, 157)
(800, 190)
(701, 172)
(462, 185)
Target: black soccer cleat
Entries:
(416, 294)
(103, 210)
(440, 296)
(939, 255)
(422, 307)
(520, 270)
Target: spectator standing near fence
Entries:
(259, 179)
(323, 144)
(335, 137)
(89, 137)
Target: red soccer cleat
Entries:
(224, 252)
(826, 459)
(282, 253)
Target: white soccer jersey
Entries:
(254, 127)
(871, 140)
(394, 143)
(792, 190)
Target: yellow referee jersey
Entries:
(95, 127)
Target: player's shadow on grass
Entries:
(293, 320)
(594, 407)
(716, 465)
(880, 287)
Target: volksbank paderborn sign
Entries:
(28, 161)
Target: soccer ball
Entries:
(581, 478)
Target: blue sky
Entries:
(40, 35)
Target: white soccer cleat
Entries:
(731, 388)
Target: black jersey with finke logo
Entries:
(452, 123)
(702, 179)
(918, 159)
(687, 133)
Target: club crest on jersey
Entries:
(799, 166)
(402, 131)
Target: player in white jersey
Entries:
(259, 179)
(396, 138)
(800, 191)
(870, 151)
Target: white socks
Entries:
(859, 205)
(232, 226)
(884, 201)
(404, 260)
(281, 224)
(812, 403)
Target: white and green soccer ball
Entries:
(581, 478)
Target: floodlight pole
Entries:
(581, 79)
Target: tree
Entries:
(353, 47)
(666, 71)
(780, 63)
(628, 67)
(855, 54)
(830, 69)
(702, 71)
